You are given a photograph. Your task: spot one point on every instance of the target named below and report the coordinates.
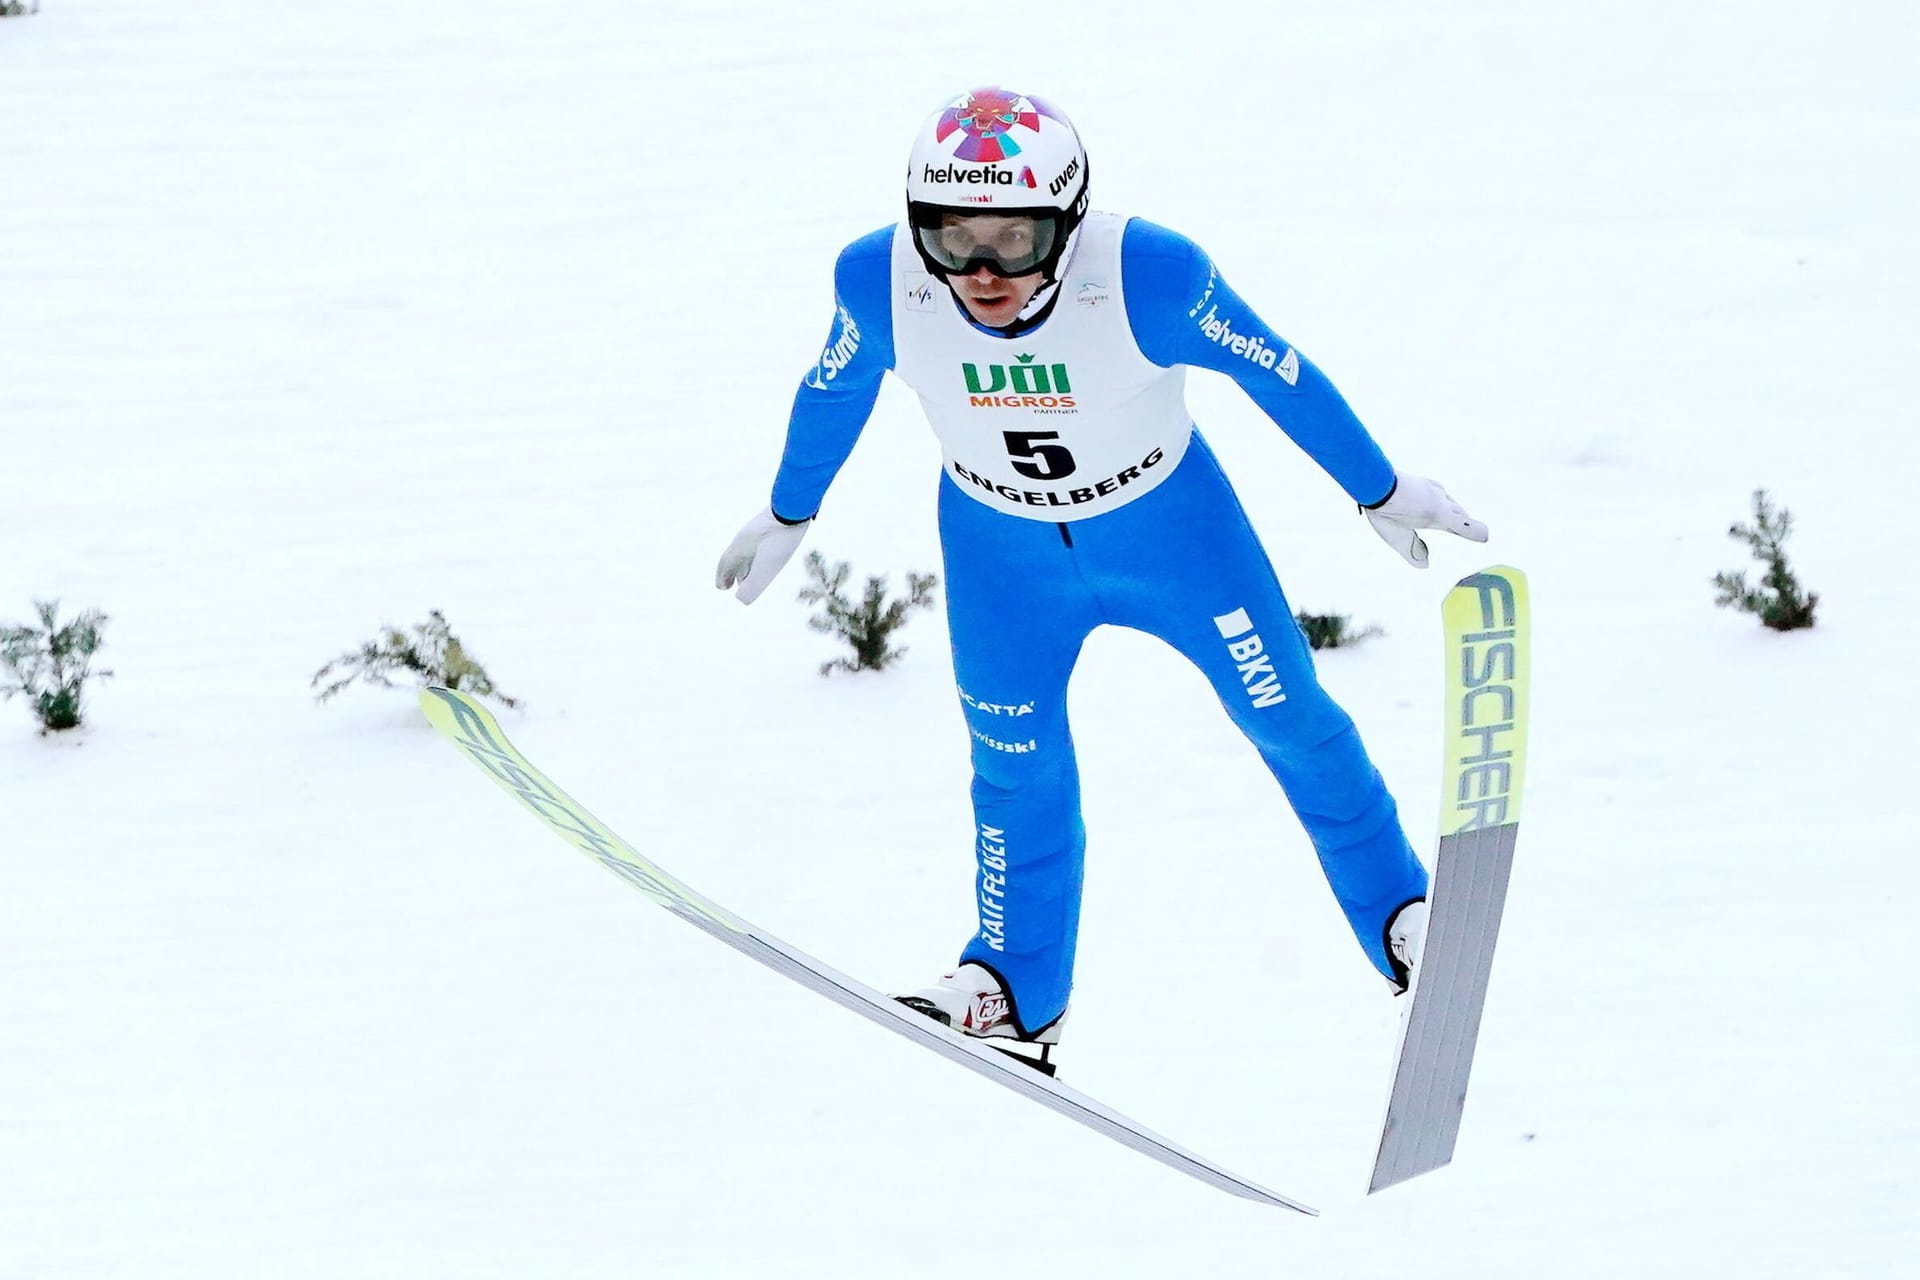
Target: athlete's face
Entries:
(993, 300)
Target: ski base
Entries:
(1442, 1024)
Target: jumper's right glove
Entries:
(1415, 503)
(757, 554)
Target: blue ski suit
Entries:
(1167, 551)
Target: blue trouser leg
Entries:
(1234, 623)
(1018, 614)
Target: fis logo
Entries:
(920, 296)
(838, 354)
(1217, 329)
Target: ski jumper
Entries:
(1076, 492)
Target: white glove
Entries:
(1418, 503)
(757, 554)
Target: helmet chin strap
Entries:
(1041, 299)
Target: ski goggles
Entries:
(1006, 244)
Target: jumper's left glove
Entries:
(1417, 503)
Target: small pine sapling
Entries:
(432, 654)
(1332, 630)
(1779, 600)
(51, 663)
(867, 625)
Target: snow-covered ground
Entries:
(314, 318)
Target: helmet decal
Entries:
(987, 115)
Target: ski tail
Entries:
(1488, 670)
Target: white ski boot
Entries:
(1405, 934)
(972, 1001)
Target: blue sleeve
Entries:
(1182, 312)
(836, 397)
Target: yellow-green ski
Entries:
(1488, 668)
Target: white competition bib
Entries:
(1063, 423)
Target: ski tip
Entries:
(435, 702)
(1494, 573)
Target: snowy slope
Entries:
(313, 319)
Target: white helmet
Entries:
(997, 152)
